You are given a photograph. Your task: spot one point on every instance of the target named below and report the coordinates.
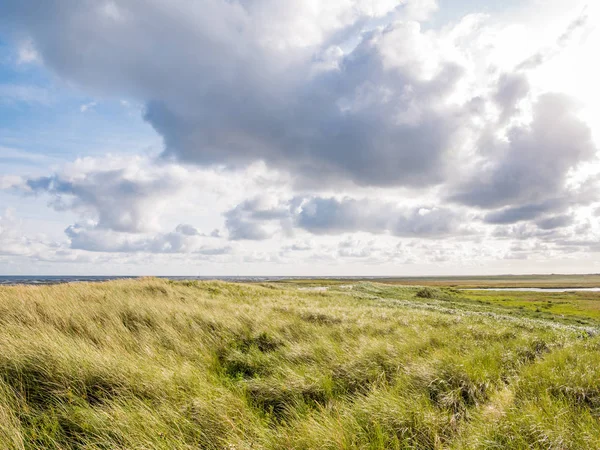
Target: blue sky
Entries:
(42, 115)
(238, 138)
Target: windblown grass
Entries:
(515, 281)
(154, 364)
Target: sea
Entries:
(52, 279)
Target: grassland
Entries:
(155, 364)
(499, 281)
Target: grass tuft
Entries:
(158, 364)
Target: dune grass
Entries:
(497, 281)
(155, 364)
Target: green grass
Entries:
(541, 281)
(154, 364)
(574, 307)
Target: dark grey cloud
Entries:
(512, 88)
(532, 166)
(524, 212)
(553, 222)
(187, 230)
(331, 216)
(233, 82)
(320, 215)
(341, 125)
(248, 219)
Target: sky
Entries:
(260, 137)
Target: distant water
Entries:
(10, 280)
(526, 289)
(25, 279)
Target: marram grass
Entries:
(154, 364)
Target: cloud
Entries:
(524, 212)
(27, 54)
(332, 216)
(550, 230)
(120, 194)
(352, 248)
(375, 120)
(533, 164)
(249, 90)
(346, 91)
(17, 245)
(301, 246)
(121, 202)
(93, 239)
(187, 230)
(250, 220)
(254, 219)
(576, 27)
(11, 242)
(553, 222)
(87, 107)
(9, 181)
(512, 89)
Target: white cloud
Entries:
(27, 53)
(90, 238)
(11, 243)
(17, 245)
(125, 194)
(9, 181)
(87, 107)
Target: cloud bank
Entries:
(368, 121)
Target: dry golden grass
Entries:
(154, 364)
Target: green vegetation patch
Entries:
(156, 364)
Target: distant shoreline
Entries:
(558, 281)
